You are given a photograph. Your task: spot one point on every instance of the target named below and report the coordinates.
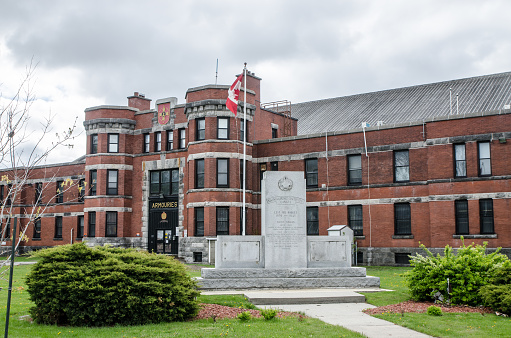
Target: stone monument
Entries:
(284, 256)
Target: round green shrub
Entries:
(467, 271)
(434, 311)
(81, 286)
(244, 316)
(269, 314)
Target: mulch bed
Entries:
(216, 311)
(420, 307)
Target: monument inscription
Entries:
(283, 226)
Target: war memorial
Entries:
(283, 256)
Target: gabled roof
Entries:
(409, 104)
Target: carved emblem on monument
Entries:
(285, 184)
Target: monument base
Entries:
(348, 277)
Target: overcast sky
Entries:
(91, 52)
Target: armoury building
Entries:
(431, 165)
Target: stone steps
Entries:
(290, 298)
(225, 279)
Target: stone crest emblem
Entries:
(285, 184)
(163, 114)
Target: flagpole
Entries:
(244, 147)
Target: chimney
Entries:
(139, 101)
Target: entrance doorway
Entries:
(163, 226)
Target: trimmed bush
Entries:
(244, 316)
(434, 311)
(497, 294)
(81, 286)
(269, 314)
(468, 271)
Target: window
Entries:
(274, 166)
(199, 174)
(201, 129)
(223, 128)
(182, 138)
(484, 158)
(355, 169)
(59, 192)
(79, 230)
(58, 227)
(222, 168)
(274, 133)
(170, 139)
(242, 130)
(486, 216)
(94, 144)
(461, 217)
(37, 228)
(111, 224)
(81, 190)
(164, 182)
(241, 174)
(8, 200)
(147, 139)
(93, 181)
(111, 187)
(402, 219)
(6, 232)
(199, 222)
(92, 224)
(401, 166)
(312, 221)
(355, 219)
(113, 143)
(157, 141)
(311, 173)
(222, 221)
(460, 161)
(38, 193)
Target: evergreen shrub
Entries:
(497, 294)
(434, 311)
(81, 286)
(269, 314)
(467, 271)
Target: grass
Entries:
(256, 327)
(453, 324)
(390, 278)
(447, 325)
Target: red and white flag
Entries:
(234, 93)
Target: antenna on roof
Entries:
(216, 76)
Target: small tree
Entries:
(23, 149)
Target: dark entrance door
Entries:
(163, 226)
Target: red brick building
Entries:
(168, 178)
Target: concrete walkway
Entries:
(348, 315)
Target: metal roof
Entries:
(401, 105)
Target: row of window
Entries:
(110, 228)
(402, 165)
(402, 219)
(222, 129)
(113, 142)
(158, 143)
(61, 187)
(112, 182)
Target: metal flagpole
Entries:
(244, 146)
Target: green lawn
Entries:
(288, 327)
(447, 325)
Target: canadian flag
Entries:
(234, 93)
